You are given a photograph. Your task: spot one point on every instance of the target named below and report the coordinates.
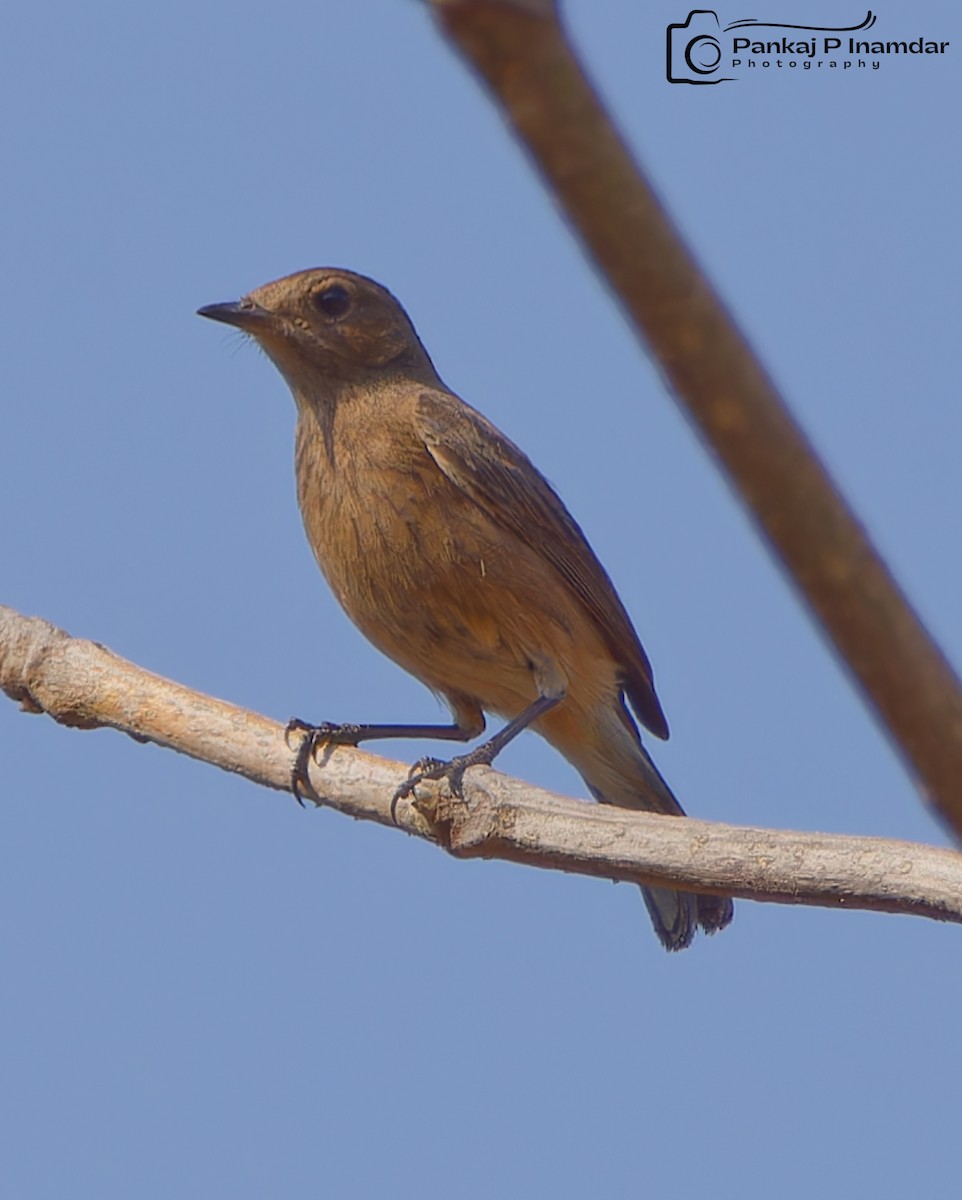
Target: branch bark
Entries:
(519, 49)
(82, 684)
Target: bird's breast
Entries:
(392, 535)
(429, 577)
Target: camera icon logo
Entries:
(694, 49)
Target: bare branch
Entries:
(521, 52)
(84, 685)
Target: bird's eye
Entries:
(333, 301)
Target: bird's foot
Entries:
(435, 769)
(312, 738)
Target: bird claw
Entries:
(327, 733)
(436, 769)
(420, 771)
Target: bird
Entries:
(456, 558)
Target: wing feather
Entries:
(499, 477)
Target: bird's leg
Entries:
(481, 756)
(330, 734)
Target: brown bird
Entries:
(456, 558)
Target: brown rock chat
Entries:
(456, 558)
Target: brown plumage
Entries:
(455, 557)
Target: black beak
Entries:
(245, 314)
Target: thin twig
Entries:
(82, 684)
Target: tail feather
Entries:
(673, 914)
(637, 783)
(715, 912)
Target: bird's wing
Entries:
(501, 480)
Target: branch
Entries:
(519, 49)
(84, 685)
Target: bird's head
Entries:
(330, 322)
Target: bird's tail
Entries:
(617, 770)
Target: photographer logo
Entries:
(701, 50)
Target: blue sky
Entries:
(207, 990)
